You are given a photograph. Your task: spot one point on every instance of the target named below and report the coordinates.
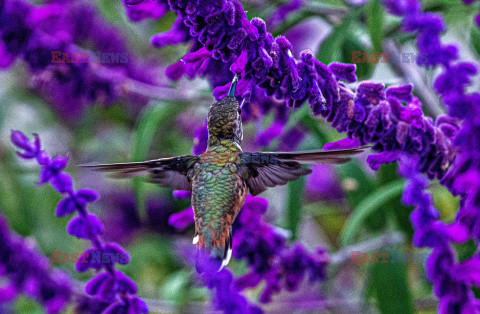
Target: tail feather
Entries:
(215, 249)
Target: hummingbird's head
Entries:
(225, 119)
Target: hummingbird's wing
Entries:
(172, 172)
(270, 169)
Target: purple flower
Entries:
(26, 270)
(451, 281)
(107, 285)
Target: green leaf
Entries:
(150, 120)
(313, 125)
(389, 282)
(374, 14)
(373, 202)
(294, 206)
(364, 69)
(330, 47)
(475, 39)
(359, 182)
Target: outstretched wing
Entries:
(172, 172)
(270, 169)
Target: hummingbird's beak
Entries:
(231, 91)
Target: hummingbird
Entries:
(220, 178)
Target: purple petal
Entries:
(66, 207)
(124, 283)
(88, 195)
(375, 161)
(20, 140)
(93, 285)
(117, 253)
(85, 228)
(182, 219)
(344, 71)
(182, 194)
(62, 183)
(402, 93)
(342, 144)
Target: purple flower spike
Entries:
(450, 280)
(21, 141)
(25, 270)
(111, 287)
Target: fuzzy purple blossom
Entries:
(26, 271)
(111, 286)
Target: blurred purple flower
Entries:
(182, 219)
(200, 140)
(428, 27)
(226, 297)
(451, 281)
(108, 285)
(323, 184)
(282, 12)
(122, 219)
(267, 255)
(139, 10)
(291, 139)
(26, 270)
(308, 34)
(35, 33)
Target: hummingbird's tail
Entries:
(217, 246)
